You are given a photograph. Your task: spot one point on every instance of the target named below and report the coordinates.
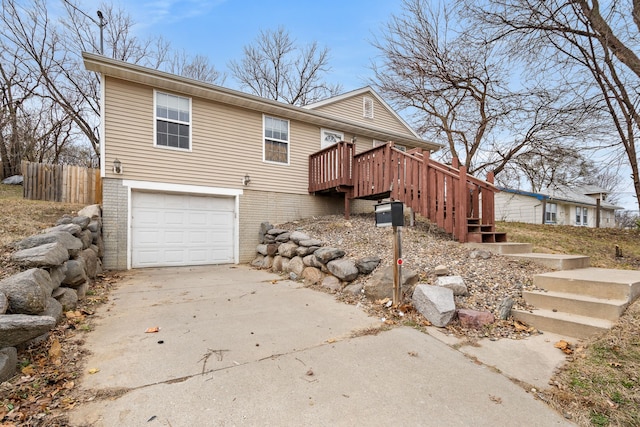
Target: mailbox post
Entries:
(392, 214)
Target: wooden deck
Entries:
(434, 190)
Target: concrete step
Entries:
(503, 248)
(582, 305)
(571, 325)
(555, 261)
(595, 282)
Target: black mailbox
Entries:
(388, 214)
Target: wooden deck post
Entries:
(488, 209)
(461, 206)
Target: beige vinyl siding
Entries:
(351, 109)
(227, 143)
(518, 208)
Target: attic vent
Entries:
(367, 107)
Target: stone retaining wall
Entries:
(59, 265)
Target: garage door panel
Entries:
(178, 229)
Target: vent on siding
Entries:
(367, 107)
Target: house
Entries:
(562, 205)
(190, 170)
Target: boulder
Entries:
(296, 266)
(504, 309)
(47, 255)
(54, 309)
(474, 319)
(303, 251)
(354, 289)
(368, 264)
(19, 328)
(90, 259)
(91, 211)
(268, 238)
(272, 249)
(57, 275)
(380, 286)
(262, 249)
(94, 226)
(257, 261)
(312, 261)
(69, 241)
(82, 290)
(76, 273)
(276, 231)
(479, 253)
(68, 228)
(267, 262)
(27, 291)
(86, 237)
(277, 263)
(4, 303)
(332, 283)
(67, 297)
(455, 283)
(99, 242)
(325, 255)
(13, 180)
(8, 363)
(310, 242)
(435, 303)
(82, 221)
(264, 227)
(297, 236)
(441, 270)
(288, 249)
(64, 219)
(312, 276)
(343, 269)
(284, 237)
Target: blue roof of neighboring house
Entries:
(524, 193)
(577, 196)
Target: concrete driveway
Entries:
(238, 346)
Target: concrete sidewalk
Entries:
(239, 346)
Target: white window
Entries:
(581, 216)
(330, 137)
(276, 140)
(551, 212)
(173, 121)
(367, 107)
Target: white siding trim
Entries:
(101, 126)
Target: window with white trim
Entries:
(173, 121)
(330, 137)
(581, 215)
(276, 140)
(367, 107)
(551, 213)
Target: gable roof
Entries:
(565, 194)
(368, 90)
(167, 81)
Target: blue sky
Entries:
(220, 28)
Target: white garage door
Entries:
(180, 229)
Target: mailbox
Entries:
(388, 214)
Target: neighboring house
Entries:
(190, 170)
(560, 205)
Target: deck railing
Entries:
(435, 190)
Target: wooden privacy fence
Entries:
(61, 183)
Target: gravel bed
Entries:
(425, 246)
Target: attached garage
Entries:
(175, 229)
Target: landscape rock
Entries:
(69, 241)
(354, 289)
(310, 242)
(343, 269)
(57, 275)
(4, 303)
(47, 255)
(312, 261)
(13, 180)
(99, 242)
(504, 309)
(479, 253)
(288, 249)
(8, 363)
(435, 303)
(332, 283)
(16, 329)
(380, 286)
(82, 290)
(90, 259)
(94, 226)
(296, 265)
(67, 297)
(86, 237)
(327, 254)
(91, 211)
(441, 270)
(312, 276)
(76, 272)
(474, 319)
(284, 237)
(276, 231)
(54, 309)
(262, 249)
(277, 263)
(455, 283)
(64, 219)
(257, 261)
(303, 251)
(27, 291)
(82, 221)
(297, 236)
(68, 228)
(264, 227)
(267, 262)
(272, 249)
(368, 264)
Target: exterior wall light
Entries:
(246, 180)
(117, 166)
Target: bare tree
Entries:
(196, 67)
(460, 90)
(275, 67)
(584, 45)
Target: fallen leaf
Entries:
(28, 370)
(383, 301)
(94, 371)
(495, 399)
(331, 340)
(310, 373)
(413, 354)
(520, 326)
(152, 330)
(55, 352)
(564, 346)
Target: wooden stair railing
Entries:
(446, 195)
